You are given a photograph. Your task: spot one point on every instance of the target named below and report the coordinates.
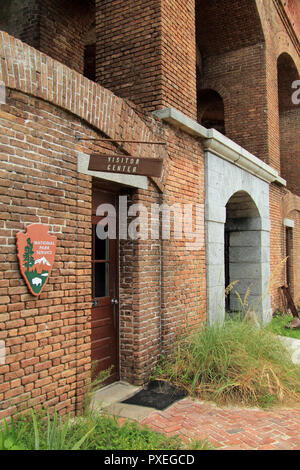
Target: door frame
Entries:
(99, 196)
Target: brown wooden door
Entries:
(104, 338)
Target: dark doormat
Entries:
(158, 395)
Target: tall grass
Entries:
(93, 431)
(236, 363)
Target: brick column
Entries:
(146, 52)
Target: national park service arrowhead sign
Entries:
(36, 252)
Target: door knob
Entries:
(114, 301)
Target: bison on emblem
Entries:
(36, 252)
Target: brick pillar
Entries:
(146, 52)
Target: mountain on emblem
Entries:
(36, 253)
(43, 261)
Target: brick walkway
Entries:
(230, 429)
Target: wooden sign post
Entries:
(127, 165)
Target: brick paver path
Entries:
(230, 428)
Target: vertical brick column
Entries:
(179, 56)
(232, 62)
(146, 52)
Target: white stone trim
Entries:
(222, 146)
(223, 179)
(178, 119)
(2, 93)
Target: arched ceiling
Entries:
(225, 25)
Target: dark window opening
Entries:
(210, 110)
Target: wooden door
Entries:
(104, 338)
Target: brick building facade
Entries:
(212, 81)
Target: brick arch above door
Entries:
(26, 69)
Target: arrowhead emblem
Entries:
(36, 252)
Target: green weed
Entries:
(237, 363)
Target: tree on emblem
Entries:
(28, 255)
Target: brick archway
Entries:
(289, 121)
(25, 69)
(290, 203)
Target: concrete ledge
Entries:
(222, 146)
(232, 152)
(289, 223)
(183, 122)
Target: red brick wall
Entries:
(64, 28)
(238, 76)
(56, 27)
(184, 281)
(290, 148)
(277, 243)
(279, 40)
(295, 257)
(168, 291)
(178, 57)
(128, 49)
(48, 338)
(140, 294)
(291, 210)
(21, 18)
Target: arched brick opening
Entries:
(231, 57)
(221, 26)
(64, 27)
(289, 122)
(33, 73)
(210, 110)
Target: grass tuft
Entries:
(278, 326)
(237, 363)
(93, 431)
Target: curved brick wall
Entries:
(48, 338)
(25, 69)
